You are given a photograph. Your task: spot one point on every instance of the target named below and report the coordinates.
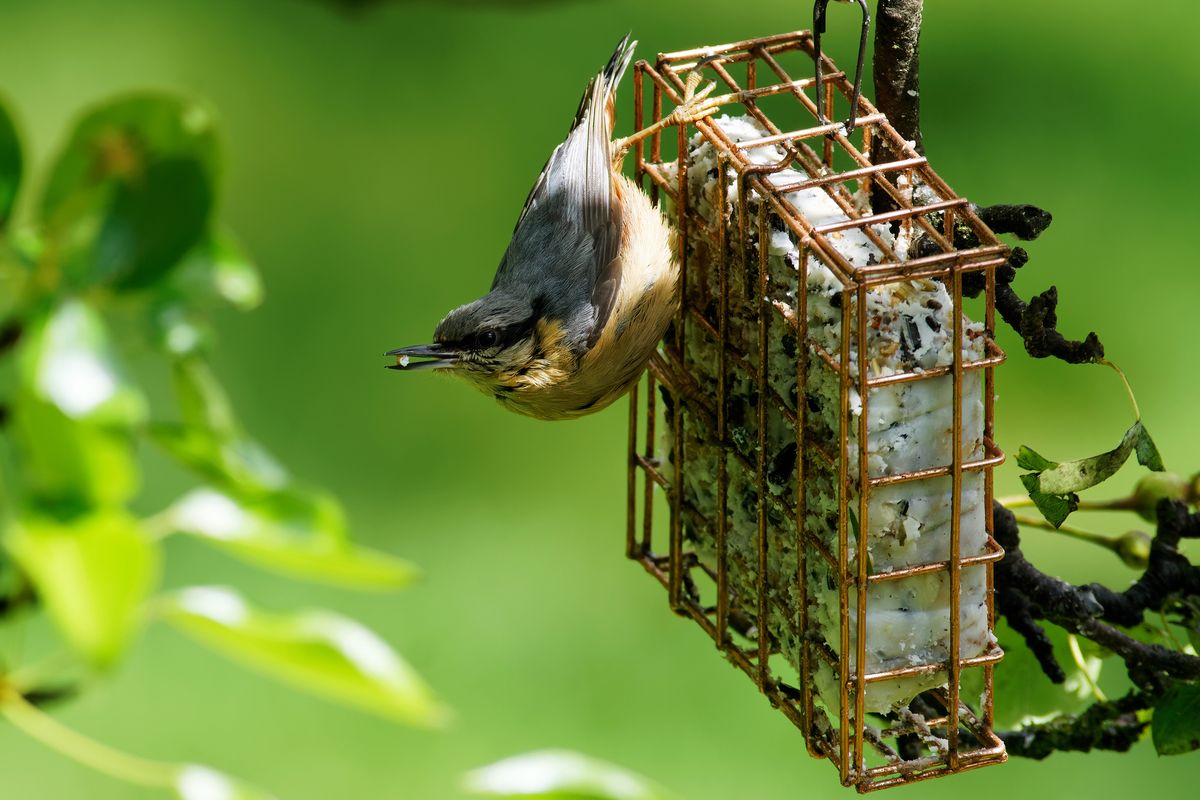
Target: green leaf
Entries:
(319, 651)
(74, 412)
(560, 774)
(177, 330)
(1027, 458)
(132, 191)
(210, 441)
(219, 268)
(11, 165)
(1055, 508)
(1176, 725)
(197, 782)
(1147, 452)
(1075, 476)
(68, 360)
(69, 463)
(1053, 486)
(1024, 694)
(280, 536)
(240, 466)
(93, 573)
(203, 404)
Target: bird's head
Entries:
(500, 343)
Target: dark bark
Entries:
(1103, 726)
(1025, 596)
(898, 65)
(1026, 222)
(897, 79)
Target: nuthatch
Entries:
(587, 285)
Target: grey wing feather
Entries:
(575, 192)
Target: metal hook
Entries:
(819, 8)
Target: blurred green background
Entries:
(375, 165)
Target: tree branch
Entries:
(897, 68)
(1025, 595)
(1110, 725)
(896, 75)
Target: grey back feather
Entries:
(564, 248)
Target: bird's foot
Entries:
(696, 105)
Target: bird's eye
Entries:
(487, 338)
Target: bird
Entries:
(588, 283)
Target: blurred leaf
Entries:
(240, 465)
(11, 165)
(73, 412)
(1187, 613)
(318, 651)
(133, 189)
(1176, 725)
(203, 403)
(197, 782)
(1053, 486)
(219, 268)
(68, 463)
(93, 574)
(274, 536)
(1022, 691)
(210, 441)
(560, 774)
(68, 359)
(177, 330)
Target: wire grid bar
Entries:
(739, 625)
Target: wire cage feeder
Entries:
(809, 324)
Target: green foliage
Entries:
(1024, 695)
(124, 230)
(93, 574)
(132, 190)
(1054, 487)
(1022, 691)
(560, 775)
(11, 165)
(278, 536)
(1176, 727)
(316, 650)
(194, 782)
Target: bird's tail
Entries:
(599, 102)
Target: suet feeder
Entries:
(819, 418)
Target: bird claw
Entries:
(696, 105)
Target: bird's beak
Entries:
(442, 356)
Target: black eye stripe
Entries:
(505, 335)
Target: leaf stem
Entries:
(1076, 533)
(1081, 662)
(1137, 414)
(1015, 501)
(45, 729)
(1166, 626)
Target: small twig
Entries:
(1026, 222)
(1081, 663)
(1167, 573)
(1107, 725)
(1069, 530)
(1137, 412)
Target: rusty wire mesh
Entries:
(959, 736)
